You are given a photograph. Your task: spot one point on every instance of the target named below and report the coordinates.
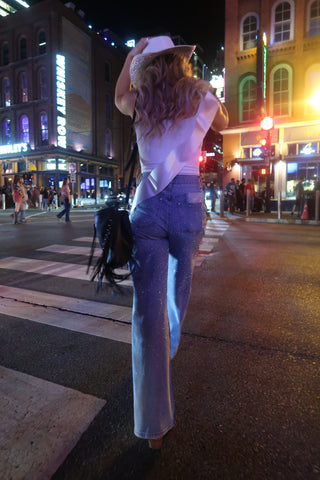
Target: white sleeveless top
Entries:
(187, 134)
(175, 152)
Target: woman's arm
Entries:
(221, 119)
(124, 97)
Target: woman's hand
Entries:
(140, 46)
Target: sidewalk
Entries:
(262, 217)
(6, 216)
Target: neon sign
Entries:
(15, 148)
(23, 3)
(264, 66)
(307, 149)
(131, 43)
(61, 101)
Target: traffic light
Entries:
(263, 171)
(267, 126)
(202, 157)
(28, 178)
(265, 145)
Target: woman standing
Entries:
(173, 113)
(66, 199)
(20, 198)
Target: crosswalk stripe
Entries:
(41, 423)
(69, 249)
(46, 267)
(77, 305)
(83, 239)
(78, 322)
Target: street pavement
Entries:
(246, 377)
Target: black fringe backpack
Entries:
(113, 229)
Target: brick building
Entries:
(57, 113)
(272, 61)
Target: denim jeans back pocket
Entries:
(192, 212)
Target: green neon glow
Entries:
(264, 71)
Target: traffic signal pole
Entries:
(268, 162)
(267, 126)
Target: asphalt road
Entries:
(246, 378)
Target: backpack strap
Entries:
(132, 160)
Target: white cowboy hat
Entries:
(157, 46)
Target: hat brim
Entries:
(141, 61)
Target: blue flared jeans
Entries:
(167, 231)
(66, 210)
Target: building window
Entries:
(108, 143)
(312, 90)
(6, 92)
(24, 88)
(6, 132)
(313, 18)
(247, 99)
(249, 28)
(43, 89)
(281, 90)
(42, 43)
(5, 53)
(44, 128)
(23, 48)
(24, 129)
(108, 107)
(282, 22)
(302, 169)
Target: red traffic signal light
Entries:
(202, 157)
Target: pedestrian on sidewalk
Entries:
(214, 196)
(250, 187)
(45, 198)
(20, 198)
(299, 203)
(231, 194)
(65, 199)
(242, 195)
(173, 113)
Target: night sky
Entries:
(196, 23)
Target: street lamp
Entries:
(267, 125)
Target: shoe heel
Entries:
(155, 443)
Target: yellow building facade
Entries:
(272, 61)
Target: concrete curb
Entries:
(260, 219)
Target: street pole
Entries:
(267, 125)
(279, 205)
(317, 205)
(268, 157)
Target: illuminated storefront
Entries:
(273, 70)
(57, 116)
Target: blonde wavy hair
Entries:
(166, 92)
